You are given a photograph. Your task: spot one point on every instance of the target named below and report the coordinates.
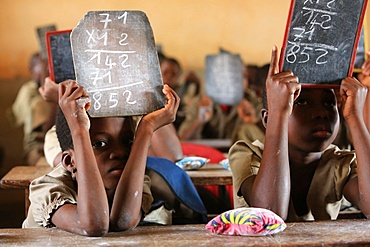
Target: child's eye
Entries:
(301, 102)
(330, 103)
(99, 144)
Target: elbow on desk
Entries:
(125, 224)
(97, 231)
(93, 228)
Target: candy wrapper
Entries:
(225, 164)
(192, 162)
(246, 222)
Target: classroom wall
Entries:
(186, 29)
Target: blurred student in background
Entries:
(31, 111)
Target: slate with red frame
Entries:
(332, 73)
(60, 58)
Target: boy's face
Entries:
(314, 121)
(170, 73)
(39, 70)
(111, 139)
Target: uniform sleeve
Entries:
(346, 169)
(147, 195)
(191, 114)
(51, 146)
(20, 108)
(244, 160)
(41, 112)
(47, 194)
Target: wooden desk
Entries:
(324, 233)
(211, 174)
(20, 177)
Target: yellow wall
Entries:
(187, 29)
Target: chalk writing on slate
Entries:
(224, 78)
(60, 55)
(41, 34)
(321, 40)
(116, 61)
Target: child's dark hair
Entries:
(63, 132)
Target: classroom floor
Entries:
(11, 208)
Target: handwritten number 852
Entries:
(297, 55)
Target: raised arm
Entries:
(357, 190)
(125, 213)
(91, 214)
(270, 188)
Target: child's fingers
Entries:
(274, 63)
(296, 89)
(61, 90)
(173, 99)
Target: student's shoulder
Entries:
(245, 146)
(28, 87)
(59, 176)
(333, 152)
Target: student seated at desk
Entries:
(32, 112)
(298, 174)
(249, 108)
(103, 162)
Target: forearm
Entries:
(126, 208)
(271, 188)
(191, 131)
(92, 208)
(361, 143)
(166, 144)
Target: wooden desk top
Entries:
(20, 177)
(211, 174)
(324, 233)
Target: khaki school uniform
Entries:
(325, 194)
(31, 111)
(50, 192)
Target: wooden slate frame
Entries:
(362, 47)
(307, 72)
(64, 57)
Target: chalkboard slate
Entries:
(116, 61)
(41, 34)
(224, 78)
(321, 40)
(60, 55)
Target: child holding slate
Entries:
(297, 173)
(102, 163)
